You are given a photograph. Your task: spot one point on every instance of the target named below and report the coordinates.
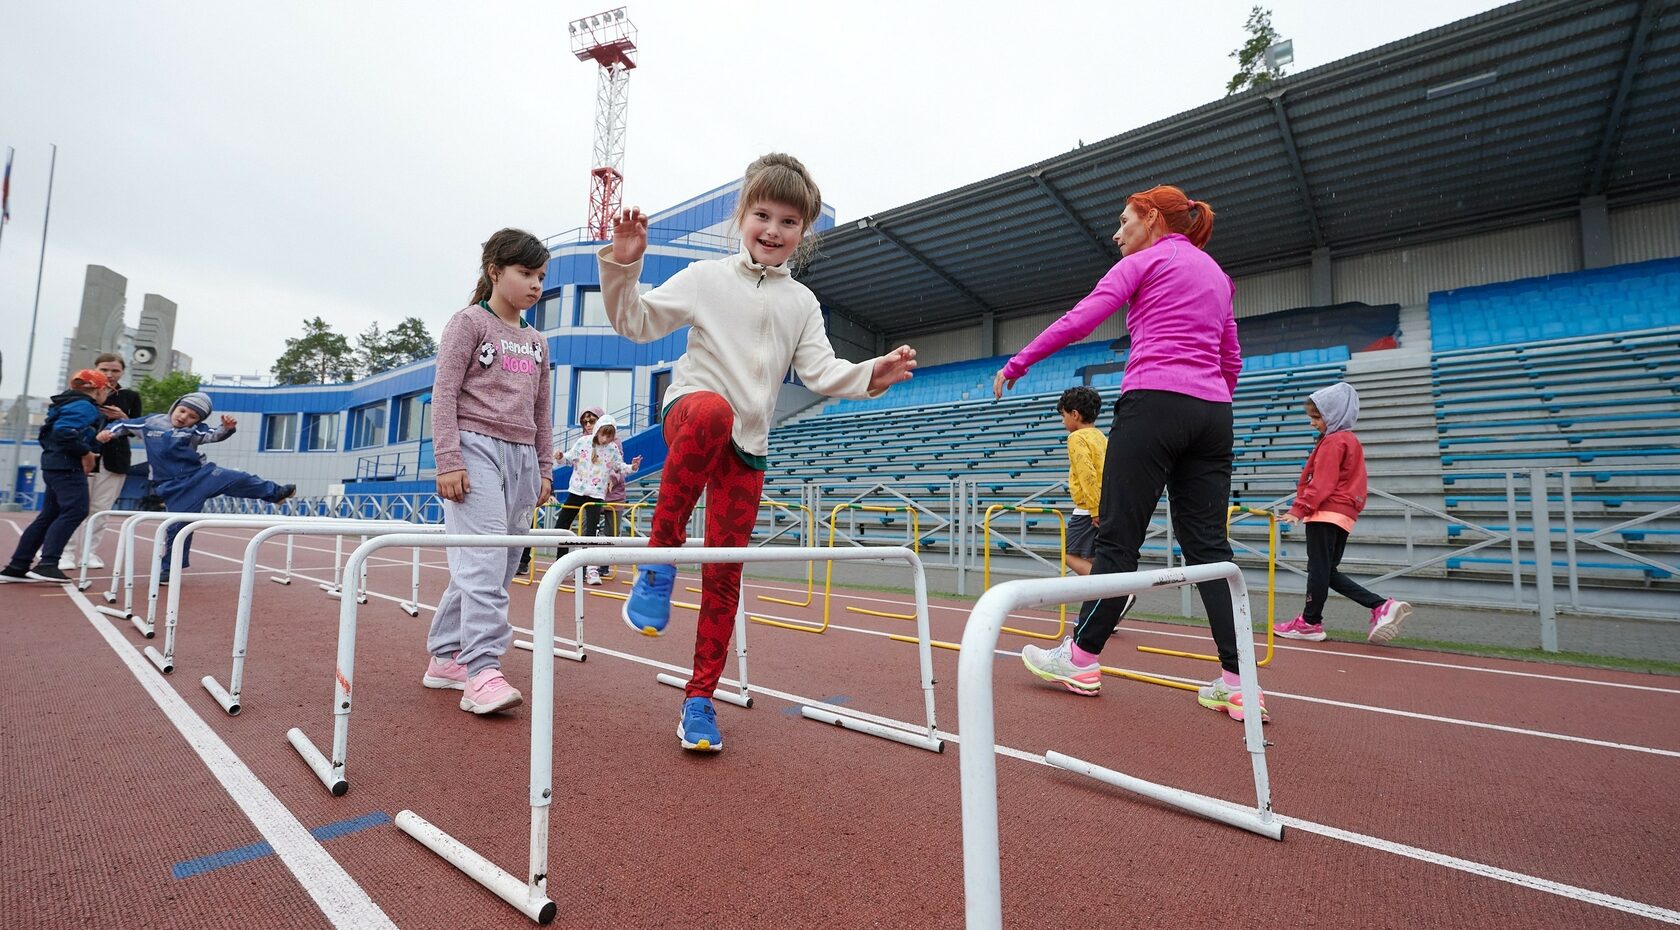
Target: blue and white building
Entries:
(375, 434)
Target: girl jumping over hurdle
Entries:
(491, 438)
(1172, 424)
(749, 321)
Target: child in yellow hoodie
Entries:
(1080, 407)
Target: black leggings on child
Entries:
(1325, 542)
(593, 516)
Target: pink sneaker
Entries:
(1386, 620)
(1299, 628)
(488, 692)
(445, 673)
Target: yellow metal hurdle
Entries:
(986, 560)
(915, 546)
(1271, 588)
(536, 517)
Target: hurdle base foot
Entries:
(279, 579)
(1242, 818)
(143, 626)
(230, 704)
(578, 656)
(410, 608)
(164, 665)
(503, 884)
(727, 697)
(907, 737)
(330, 779)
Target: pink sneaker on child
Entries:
(488, 692)
(1386, 620)
(445, 673)
(1299, 628)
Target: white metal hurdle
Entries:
(530, 895)
(165, 661)
(982, 876)
(88, 530)
(122, 571)
(332, 774)
(146, 622)
(230, 697)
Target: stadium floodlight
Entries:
(572, 28)
(1280, 54)
(1461, 85)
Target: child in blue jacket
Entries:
(180, 473)
(67, 445)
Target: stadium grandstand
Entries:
(1477, 226)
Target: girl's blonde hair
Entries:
(781, 178)
(507, 247)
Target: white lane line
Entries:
(1522, 880)
(338, 895)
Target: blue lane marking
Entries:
(331, 831)
(837, 699)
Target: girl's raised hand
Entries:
(892, 368)
(629, 235)
(1000, 383)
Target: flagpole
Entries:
(29, 360)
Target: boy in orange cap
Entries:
(67, 445)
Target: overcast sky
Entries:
(260, 164)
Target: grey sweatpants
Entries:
(471, 622)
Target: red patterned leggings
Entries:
(702, 458)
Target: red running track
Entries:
(1423, 790)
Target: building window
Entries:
(367, 426)
(320, 432)
(608, 389)
(591, 308)
(279, 432)
(656, 407)
(414, 418)
(545, 314)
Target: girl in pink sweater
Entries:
(492, 438)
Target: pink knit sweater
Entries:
(492, 378)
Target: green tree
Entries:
(157, 395)
(409, 341)
(1251, 58)
(320, 356)
(373, 349)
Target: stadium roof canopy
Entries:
(1510, 117)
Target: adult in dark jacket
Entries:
(105, 482)
(67, 444)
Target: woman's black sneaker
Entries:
(45, 572)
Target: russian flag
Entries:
(6, 190)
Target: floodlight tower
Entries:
(609, 40)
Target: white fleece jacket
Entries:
(749, 321)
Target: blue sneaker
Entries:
(698, 728)
(649, 608)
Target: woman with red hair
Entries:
(1172, 424)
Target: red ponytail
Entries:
(1192, 219)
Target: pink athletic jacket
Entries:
(1184, 338)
